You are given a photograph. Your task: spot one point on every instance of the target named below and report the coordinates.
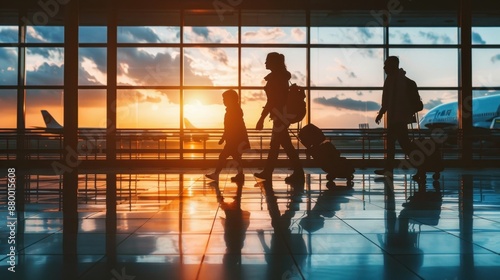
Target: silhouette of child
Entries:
(235, 135)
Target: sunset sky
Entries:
(218, 66)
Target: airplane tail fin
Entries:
(50, 122)
(188, 124)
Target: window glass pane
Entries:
(148, 34)
(485, 35)
(347, 35)
(148, 66)
(486, 67)
(345, 108)
(211, 66)
(45, 66)
(8, 66)
(93, 34)
(253, 68)
(8, 107)
(423, 35)
(204, 108)
(210, 34)
(44, 99)
(45, 34)
(438, 67)
(252, 102)
(9, 34)
(347, 67)
(92, 108)
(273, 35)
(92, 66)
(148, 109)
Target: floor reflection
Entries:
(178, 225)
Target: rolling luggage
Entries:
(432, 160)
(325, 154)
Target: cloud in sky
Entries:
(477, 39)
(45, 34)
(138, 34)
(8, 35)
(435, 38)
(45, 74)
(495, 58)
(8, 66)
(348, 103)
(264, 35)
(432, 103)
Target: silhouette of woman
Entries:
(277, 91)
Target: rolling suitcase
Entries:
(325, 154)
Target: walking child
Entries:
(235, 135)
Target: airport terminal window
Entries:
(211, 34)
(92, 108)
(45, 34)
(92, 70)
(44, 66)
(204, 108)
(344, 108)
(347, 35)
(211, 66)
(145, 108)
(8, 66)
(9, 34)
(485, 35)
(273, 35)
(93, 34)
(436, 68)
(423, 35)
(148, 34)
(485, 67)
(147, 66)
(342, 67)
(8, 101)
(43, 99)
(253, 69)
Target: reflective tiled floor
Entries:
(179, 225)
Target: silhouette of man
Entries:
(395, 103)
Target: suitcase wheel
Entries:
(436, 176)
(330, 185)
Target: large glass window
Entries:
(44, 66)
(8, 107)
(148, 66)
(8, 66)
(211, 66)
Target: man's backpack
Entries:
(414, 100)
(295, 104)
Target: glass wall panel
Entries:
(347, 35)
(439, 106)
(253, 68)
(148, 109)
(211, 66)
(431, 68)
(347, 67)
(211, 34)
(92, 66)
(273, 35)
(51, 100)
(344, 108)
(45, 34)
(485, 35)
(45, 66)
(203, 109)
(92, 108)
(8, 107)
(9, 34)
(8, 66)
(486, 67)
(423, 35)
(252, 102)
(93, 34)
(148, 34)
(148, 66)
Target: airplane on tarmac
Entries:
(485, 110)
(193, 133)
